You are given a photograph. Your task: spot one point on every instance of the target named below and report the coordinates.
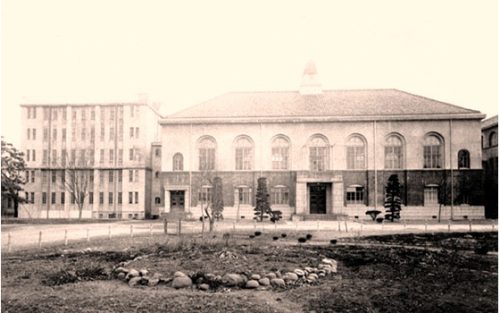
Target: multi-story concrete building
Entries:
(325, 153)
(109, 143)
(489, 128)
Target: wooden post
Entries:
(179, 227)
(88, 237)
(131, 231)
(65, 237)
(345, 224)
(40, 240)
(8, 242)
(150, 230)
(109, 232)
(234, 226)
(426, 225)
(449, 225)
(470, 226)
(165, 226)
(339, 227)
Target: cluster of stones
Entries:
(307, 275)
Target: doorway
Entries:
(177, 200)
(317, 198)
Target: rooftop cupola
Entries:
(310, 83)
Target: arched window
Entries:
(157, 200)
(279, 194)
(493, 139)
(178, 162)
(463, 159)
(319, 156)
(279, 153)
(206, 152)
(393, 152)
(356, 152)
(433, 151)
(243, 152)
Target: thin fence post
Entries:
(426, 225)
(339, 227)
(345, 224)
(65, 237)
(40, 240)
(179, 228)
(449, 225)
(254, 225)
(165, 226)
(109, 232)
(131, 231)
(150, 230)
(470, 226)
(493, 225)
(8, 242)
(296, 225)
(383, 222)
(88, 237)
(234, 226)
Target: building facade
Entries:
(324, 153)
(100, 152)
(489, 129)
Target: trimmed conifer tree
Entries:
(262, 206)
(392, 201)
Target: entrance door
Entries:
(317, 198)
(177, 200)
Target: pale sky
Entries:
(184, 52)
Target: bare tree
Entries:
(214, 204)
(77, 178)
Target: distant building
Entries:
(325, 153)
(489, 129)
(112, 142)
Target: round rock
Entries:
(299, 272)
(278, 282)
(264, 281)
(255, 276)
(132, 273)
(179, 274)
(134, 281)
(251, 284)
(121, 276)
(231, 280)
(204, 287)
(181, 282)
(271, 275)
(143, 272)
(290, 277)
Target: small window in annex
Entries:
(355, 194)
(279, 195)
(463, 159)
(178, 162)
(431, 193)
(493, 140)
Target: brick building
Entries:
(325, 153)
(110, 143)
(489, 128)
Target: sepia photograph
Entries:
(249, 156)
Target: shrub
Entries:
(309, 236)
(251, 236)
(275, 237)
(373, 213)
(302, 240)
(258, 233)
(283, 235)
(380, 219)
(333, 241)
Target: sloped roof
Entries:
(489, 122)
(331, 103)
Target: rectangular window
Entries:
(91, 198)
(91, 176)
(27, 155)
(137, 132)
(131, 154)
(91, 156)
(101, 156)
(101, 177)
(54, 134)
(130, 175)
(73, 198)
(119, 197)
(63, 135)
(279, 158)
(54, 115)
(29, 133)
(111, 155)
(244, 195)
(32, 197)
(45, 156)
(101, 197)
(205, 195)
(44, 197)
(92, 114)
(33, 133)
(92, 134)
(112, 113)
(431, 195)
(32, 176)
(136, 178)
(206, 159)
(63, 198)
(84, 115)
(64, 114)
(84, 133)
(33, 113)
(317, 158)
(130, 195)
(29, 112)
(73, 156)
(120, 157)
(45, 134)
(110, 198)
(432, 156)
(355, 195)
(102, 132)
(74, 114)
(54, 177)
(131, 132)
(33, 155)
(27, 176)
(53, 198)
(63, 178)
(54, 156)
(243, 158)
(136, 197)
(110, 176)
(120, 174)
(103, 113)
(279, 195)
(111, 133)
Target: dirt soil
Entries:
(382, 274)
